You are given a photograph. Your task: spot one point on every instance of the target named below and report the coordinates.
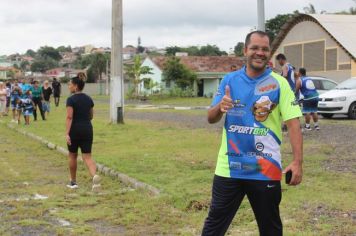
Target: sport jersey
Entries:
(308, 89)
(250, 145)
(82, 105)
(290, 76)
(26, 103)
(25, 87)
(36, 92)
(15, 94)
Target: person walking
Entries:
(46, 93)
(16, 93)
(37, 98)
(8, 97)
(56, 86)
(3, 94)
(79, 130)
(255, 101)
(310, 100)
(27, 105)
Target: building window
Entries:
(344, 66)
(331, 59)
(314, 54)
(294, 54)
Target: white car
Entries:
(322, 84)
(341, 100)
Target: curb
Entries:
(125, 179)
(167, 107)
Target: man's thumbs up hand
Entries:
(226, 102)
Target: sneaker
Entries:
(316, 127)
(72, 185)
(308, 128)
(96, 183)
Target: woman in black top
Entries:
(79, 130)
(46, 93)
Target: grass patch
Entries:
(181, 162)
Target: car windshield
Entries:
(347, 84)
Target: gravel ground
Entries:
(339, 137)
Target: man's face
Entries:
(281, 62)
(257, 52)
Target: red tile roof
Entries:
(204, 64)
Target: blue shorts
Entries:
(310, 106)
(46, 106)
(15, 106)
(28, 112)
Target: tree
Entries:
(98, 64)
(309, 9)
(30, 53)
(192, 51)
(135, 72)
(49, 52)
(64, 49)
(178, 73)
(274, 25)
(211, 50)
(208, 50)
(171, 51)
(24, 65)
(239, 49)
(42, 65)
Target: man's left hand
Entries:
(297, 172)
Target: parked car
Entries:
(341, 100)
(322, 84)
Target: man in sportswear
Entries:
(255, 101)
(310, 100)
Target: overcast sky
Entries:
(28, 24)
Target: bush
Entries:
(64, 79)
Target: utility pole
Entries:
(261, 15)
(116, 76)
(107, 78)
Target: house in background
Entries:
(3, 73)
(128, 52)
(323, 44)
(209, 69)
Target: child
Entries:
(27, 106)
(14, 99)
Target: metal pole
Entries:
(116, 78)
(261, 15)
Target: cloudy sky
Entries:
(28, 24)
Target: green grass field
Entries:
(181, 162)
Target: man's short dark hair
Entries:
(281, 56)
(302, 71)
(259, 32)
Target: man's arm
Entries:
(285, 71)
(296, 140)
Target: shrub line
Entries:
(125, 179)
